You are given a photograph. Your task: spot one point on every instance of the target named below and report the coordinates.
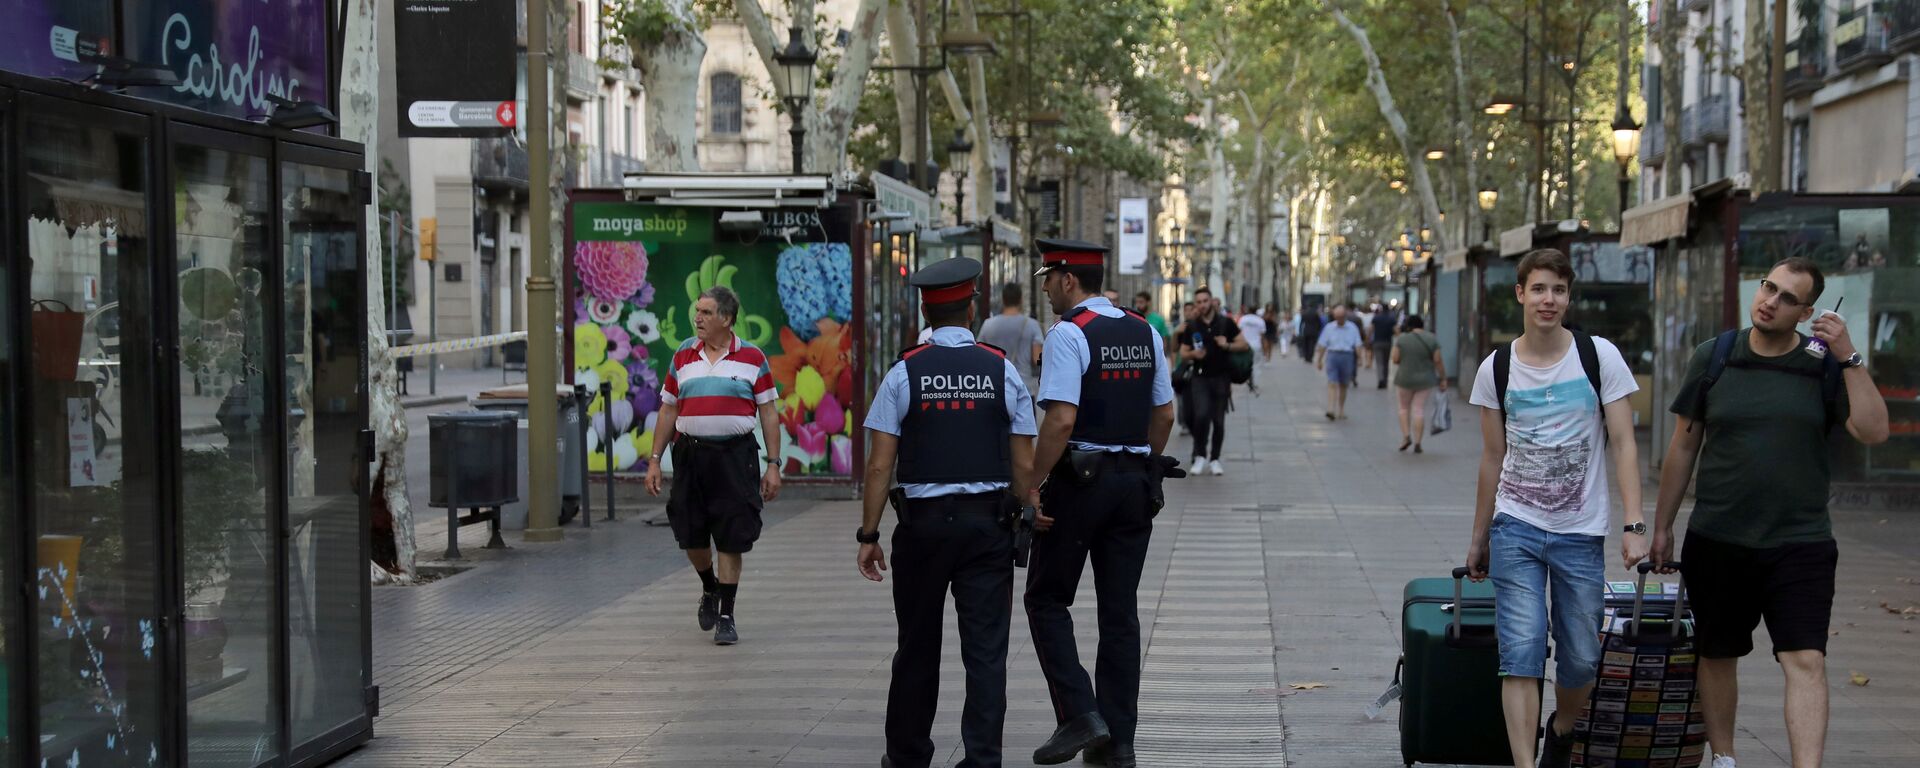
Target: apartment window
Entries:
(1797, 156)
(1726, 50)
(631, 128)
(724, 103)
(578, 27)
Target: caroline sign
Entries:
(232, 54)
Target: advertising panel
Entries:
(637, 270)
(53, 38)
(232, 54)
(1133, 235)
(455, 67)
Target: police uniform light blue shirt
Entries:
(890, 405)
(1066, 358)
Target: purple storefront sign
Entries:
(230, 54)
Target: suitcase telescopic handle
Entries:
(1459, 574)
(1640, 594)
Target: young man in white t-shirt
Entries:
(1540, 523)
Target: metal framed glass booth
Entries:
(183, 339)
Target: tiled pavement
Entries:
(1286, 571)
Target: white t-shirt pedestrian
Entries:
(1555, 474)
(1252, 328)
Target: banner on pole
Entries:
(454, 67)
(1133, 236)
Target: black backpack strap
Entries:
(1502, 360)
(1716, 365)
(1832, 384)
(1590, 362)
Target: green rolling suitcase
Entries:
(1449, 674)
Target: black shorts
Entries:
(1731, 588)
(715, 502)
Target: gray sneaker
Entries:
(724, 633)
(709, 610)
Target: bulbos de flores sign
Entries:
(230, 55)
(455, 67)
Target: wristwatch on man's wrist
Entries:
(1639, 528)
(1853, 361)
(864, 537)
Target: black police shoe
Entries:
(724, 633)
(1117, 756)
(709, 611)
(1080, 733)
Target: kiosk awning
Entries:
(1662, 219)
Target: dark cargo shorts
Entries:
(715, 502)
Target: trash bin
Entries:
(573, 455)
(472, 458)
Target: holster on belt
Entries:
(1020, 518)
(897, 498)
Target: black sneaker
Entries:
(723, 632)
(709, 611)
(1556, 750)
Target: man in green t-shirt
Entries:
(1760, 543)
(1143, 304)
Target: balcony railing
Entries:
(1653, 144)
(601, 168)
(500, 163)
(1697, 5)
(1705, 121)
(1806, 72)
(583, 75)
(1903, 24)
(1860, 37)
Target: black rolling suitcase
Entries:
(1448, 682)
(1644, 712)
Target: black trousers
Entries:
(1209, 395)
(1110, 522)
(960, 544)
(1382, 356)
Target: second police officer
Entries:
(1109, 409)
(957, 416)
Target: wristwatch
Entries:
(861, 535)
(1639, 528)
(1852, 361)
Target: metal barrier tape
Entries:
(458, 345)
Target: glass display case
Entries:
(187, 477)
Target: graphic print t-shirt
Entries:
(1555, 474)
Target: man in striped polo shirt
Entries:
(716, 388)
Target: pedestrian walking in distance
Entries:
(1109, 408)
(1340, 344)
(1253, 330)
(1553, 403)
(1015, 333)
(1206, 343)
(1418, 370)
(955, 419)
(718, 386)
(1186, 390)
(1754, 414)
(1384, 324)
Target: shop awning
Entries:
(1454, 260)
(1662, 219)
(1516, 241)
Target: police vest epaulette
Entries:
(991, 348)
(914, 350)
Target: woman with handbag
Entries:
(1418, 370)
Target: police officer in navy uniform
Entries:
(958, 418)
(1109, 409)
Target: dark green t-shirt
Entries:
(1763, 470)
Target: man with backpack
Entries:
(1754, 412)
(1554, 402)
(1385, 323)
(1206, 343)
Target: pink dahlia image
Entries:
(611, 271)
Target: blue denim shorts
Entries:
(1340, 367)
(1524, 563)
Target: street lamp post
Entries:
(796, 65)
(1489, 197)
(959, 156)
(1626, 142)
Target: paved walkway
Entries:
(1285, 573)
